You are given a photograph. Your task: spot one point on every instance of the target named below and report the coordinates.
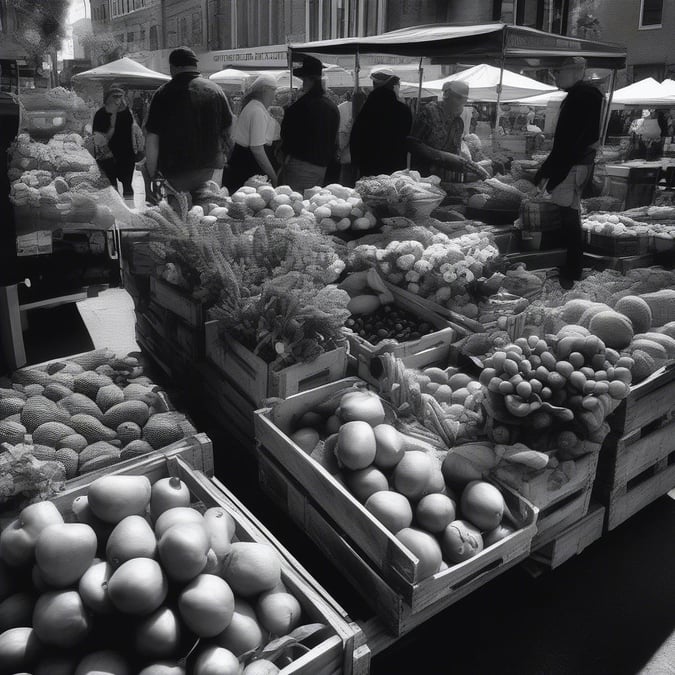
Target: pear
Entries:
(132, 538)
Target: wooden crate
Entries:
(395, 614)
(618, 247)
(636, 468)
(179, 302)
(257, 380)
(572, 540)
(559, 504)
(435, 346)
(647, 401)
(335, 654)
(388, 557)
(224, 401)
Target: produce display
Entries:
(433, 265)
(446, 401)
(401, 480)
(338, 208)
(403, 193)
(70, 417)
(388, 322)
(137, 577)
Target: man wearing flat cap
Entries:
(188, 126)
(569, 167)
(309, 131)
(436, 138)
(378, 140)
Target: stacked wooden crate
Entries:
(637, 462)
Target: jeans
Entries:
(301, 175)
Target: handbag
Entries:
(137, 141)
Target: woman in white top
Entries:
(254, 132)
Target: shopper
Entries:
(254, 132)
(188, 126)
(436, 138)
(569, 166)
(309, 131)
(113, 140)
(378, 139)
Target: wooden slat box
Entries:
(647, 401)
(179, 302)
(395, 615)
(387, 555)
(435, 346)
(335, 654)
(257, 380)
(559, 505)
(636, 468)
(573, 539)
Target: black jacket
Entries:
(577, 130)
(378, 139)
(309, 128)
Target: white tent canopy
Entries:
(124, 71)
(242, 78)
(483, 80)
(647, 93)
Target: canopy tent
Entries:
(124, 71)
(233, 78)
(668, 86)
(482, 43)
(484, 79)
(493, 43)
(647, 93)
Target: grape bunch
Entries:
(569, 379)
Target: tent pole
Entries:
(357, 70)
(419, 87)
(290, 68)
(608, 110)
(499, 98)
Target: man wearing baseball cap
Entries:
(569, 166)
(436, 139)
(309, 131)
(188, 126)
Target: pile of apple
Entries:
(402, 483)
(558, 392)
(338, 208)
(134, 581)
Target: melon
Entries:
(613, 328)
(637, 310)
(572, 310)
(667, 342)
(643, 366)
(654, 349)
(590, 312)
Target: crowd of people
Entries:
(189, 128)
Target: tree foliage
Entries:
(41, 25)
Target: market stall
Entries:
(429, 412)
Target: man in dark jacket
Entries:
(569, 167)
(188, 126)
(309, 131)
(378, 140)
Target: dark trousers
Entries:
(573, 241)
(121, 169)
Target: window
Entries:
(651, 12)
(183, 34)
(196, 28)
(130, 36)
(154, 41)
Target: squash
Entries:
(64, 551)
(112, 498)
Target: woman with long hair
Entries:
(254, 132)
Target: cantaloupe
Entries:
(668, 329)
(614, 329)
(654, 349)
(590, 312)
(637, 310)
(643, 366)
(667, 342)
(572, 310)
